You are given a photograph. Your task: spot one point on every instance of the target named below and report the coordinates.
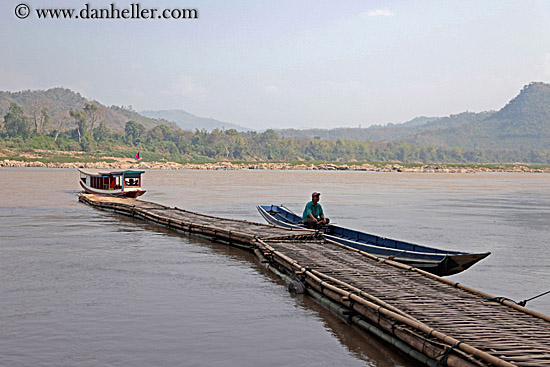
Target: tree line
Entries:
(91, 134)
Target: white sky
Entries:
(283, 63)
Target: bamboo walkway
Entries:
(439, 322)
(223, 229)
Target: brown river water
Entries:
(82, 287)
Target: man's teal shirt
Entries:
(315, 209)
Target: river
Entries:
(82, 287)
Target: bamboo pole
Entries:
(362, 293)
(233, 220)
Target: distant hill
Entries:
(59, 101)
(389, 132)
(524, 123)
(188, 121)
(421, 120)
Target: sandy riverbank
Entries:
(273, 166)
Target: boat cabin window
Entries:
(106, 182)
(101, 183)
(131, 182)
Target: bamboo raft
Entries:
(236, 232)
(432, 319)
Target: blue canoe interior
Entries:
(436, 261)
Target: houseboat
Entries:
(114, 183)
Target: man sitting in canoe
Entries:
(313, 213)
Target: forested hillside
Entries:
(61, 120)
(57, 104)
(389, 132)
(524, 123)
(171, 143)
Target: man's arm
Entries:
(322, 214)
(313, 217)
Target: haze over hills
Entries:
(188, 121)
(59, 101)
(389, 132)
(524, 123)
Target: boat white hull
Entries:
(133, 193)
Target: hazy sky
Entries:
(286, 63)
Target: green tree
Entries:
(93, 113)
(41, 118)
(80, 118)
(45, 120)
(134, 131)
(16, 123)
(101, 133)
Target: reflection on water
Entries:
(82, 287)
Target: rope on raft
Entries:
(524, 302)
(521, 303)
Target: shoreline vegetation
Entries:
(60, 128)
(113, 163)
(88, 137)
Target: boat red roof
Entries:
(97, 172)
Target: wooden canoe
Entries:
(437, 261)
